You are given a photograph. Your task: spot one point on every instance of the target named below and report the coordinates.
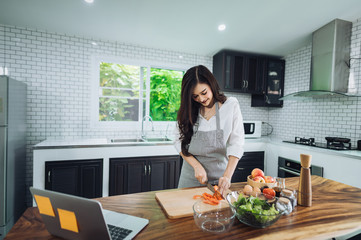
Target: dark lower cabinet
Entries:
(140, 174)
(79, 177)
(248, 162)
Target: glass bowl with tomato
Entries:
(256, 211)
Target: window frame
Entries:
(94, 101)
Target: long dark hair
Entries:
(189, 109)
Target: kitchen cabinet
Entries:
(237, 71)
(81, 178)
(272, 84)
(140, 174)
(248, 162)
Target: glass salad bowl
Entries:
(213, 219)
(254, 211)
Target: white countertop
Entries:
(90, 143)
(344, 153)
(255, 144)
(104, 141)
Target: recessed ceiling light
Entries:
(221, 27)
(89, 1)
(180, 57)
(94, 43)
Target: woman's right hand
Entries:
(200, 174)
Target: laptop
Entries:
(73, 217)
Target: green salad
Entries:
(254, 210)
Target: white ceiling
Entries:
(263, 26)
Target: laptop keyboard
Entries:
(118, 232)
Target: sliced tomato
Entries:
(269, 193)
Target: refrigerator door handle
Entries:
(3, 176)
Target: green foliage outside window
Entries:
(165, 92)
(119, 88)
(114, 103)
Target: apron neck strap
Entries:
(217, 116)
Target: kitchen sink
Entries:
(127, 140)
(163, 139)
(141, 140)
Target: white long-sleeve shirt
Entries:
(231, 121)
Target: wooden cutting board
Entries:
(179, 203)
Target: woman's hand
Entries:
(200, 174)
(224, 183)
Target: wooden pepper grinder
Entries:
(304, 197)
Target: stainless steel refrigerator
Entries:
(12, 152)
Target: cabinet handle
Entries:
(49, 175)
(240, 168)
(145, 170)
(289, 171)
(267, 100)
(149, 169)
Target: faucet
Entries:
(151, 120)
(166, 132)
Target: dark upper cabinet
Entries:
(246, 164)
(140, 174)
(237, 72)
(81, 178)
(272, 84)
(260, 75)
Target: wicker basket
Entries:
(258, 184)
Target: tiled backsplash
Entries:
(56, 68)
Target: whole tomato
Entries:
(269, 193)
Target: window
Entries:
(125, 93)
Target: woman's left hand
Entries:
(224, 183)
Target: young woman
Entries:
(209, 133)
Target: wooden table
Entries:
(335, 211)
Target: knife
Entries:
(210, 186)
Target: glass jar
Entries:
(284, 205)
(280, 184)
(291, 194)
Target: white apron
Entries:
(209, 149)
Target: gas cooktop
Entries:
(334, 143)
